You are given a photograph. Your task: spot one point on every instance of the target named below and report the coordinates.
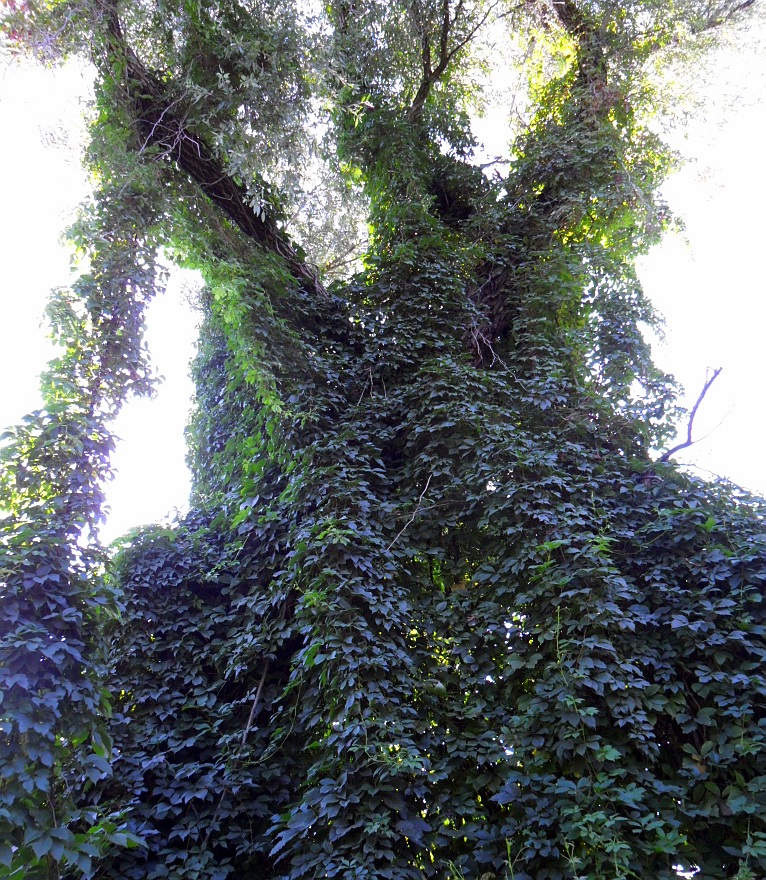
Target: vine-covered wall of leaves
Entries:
(440, 609)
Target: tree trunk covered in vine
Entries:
(441, 608)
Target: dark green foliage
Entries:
(437, 611)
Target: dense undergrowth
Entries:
(438, 609)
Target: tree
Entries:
(440, 608)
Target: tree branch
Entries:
(243, 743)
(161, 124)
(446, 55)
(725, 14)
(689, 441)
(414, 514)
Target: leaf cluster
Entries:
(436, 611)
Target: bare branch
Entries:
(496, 161)
(689, 441)
(238, 756)
(472, 33)
(412, 518)
(256, 700)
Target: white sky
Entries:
(710, 285)
(708, 282)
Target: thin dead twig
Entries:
(412, 518)
(689, 441)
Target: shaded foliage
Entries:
(436, 611)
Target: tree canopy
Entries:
(442, 608)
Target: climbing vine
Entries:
(441, 607)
